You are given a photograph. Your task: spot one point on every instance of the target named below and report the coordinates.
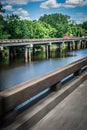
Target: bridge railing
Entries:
(12, 97)
(38, 40)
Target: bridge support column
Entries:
(48, 50)
(33, 52)
(1, 48)
(58, 49)
(76, 45)
(69, 46)
(85, 46)
(73, 45)
(28, 53)
(12, 52)
(79, 45)
(86, 43)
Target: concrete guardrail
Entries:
(12, 97)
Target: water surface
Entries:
(18, 72)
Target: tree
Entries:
(13, 26)
(58, 21)
(3, 33)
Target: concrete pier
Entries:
(47, 46)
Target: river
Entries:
(16, 72)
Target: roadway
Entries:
(70, 114)
(31, 42)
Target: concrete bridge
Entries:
(32, 43)
(14, 116)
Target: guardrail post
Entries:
(78, 72)
(0, 109)
(56, 86)
(8, 116)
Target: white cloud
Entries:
(80, 14)
(23, 14)
(15, 2)
(73, 1)
(19, 2)
(82, 17)
(36, 0)
(8, 8)
(68, 4)
(50, 4)
(76, 2)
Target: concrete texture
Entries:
(70, 114)
(65, 109)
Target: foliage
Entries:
(48, 26)
(3, 33)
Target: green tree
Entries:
(58, 21)
(13, 26)
(3, 33)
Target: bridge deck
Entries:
(70, 114)
(20, 42)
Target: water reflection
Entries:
(18, 71)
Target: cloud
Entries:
(68, 4)
(23, 14)
(50, 4)
(8, 8)
(36, 0)
(76, 2)
(82, 17)
(19, 2)
(15, 2)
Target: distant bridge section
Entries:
(47, 42)
(21, 42)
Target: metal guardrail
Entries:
(11, 98)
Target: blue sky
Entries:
(33, 9)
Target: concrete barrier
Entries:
(18, 94)
(0, 106)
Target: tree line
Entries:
(48, 26)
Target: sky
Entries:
(34, 9)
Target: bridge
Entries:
(57, 85)
(32, 43)
(20, 42)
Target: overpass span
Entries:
(21, 42)
(32, 43)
